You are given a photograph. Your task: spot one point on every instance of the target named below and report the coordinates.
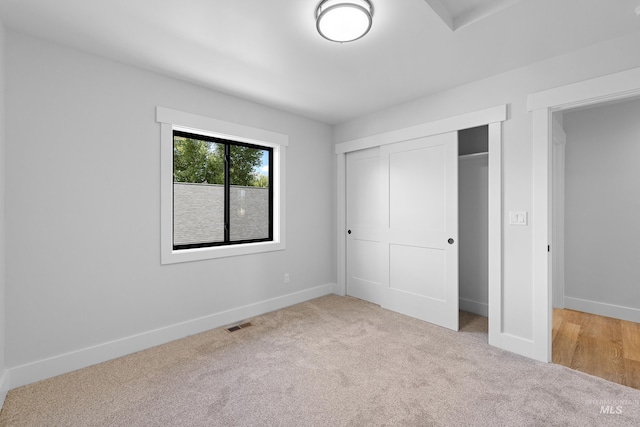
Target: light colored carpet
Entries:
(333, 361)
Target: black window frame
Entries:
(227, 191)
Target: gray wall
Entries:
(602, 207)
(473, 221)
(83, 257)
(473, 140)
(3, 382)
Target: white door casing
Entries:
(557, 239)
(617, 86)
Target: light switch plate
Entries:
(518, 218)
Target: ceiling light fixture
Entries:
(344, 20)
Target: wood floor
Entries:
(602, 346)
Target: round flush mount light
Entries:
(344, 20)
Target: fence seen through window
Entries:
(222, 192)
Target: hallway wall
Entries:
(602, 206)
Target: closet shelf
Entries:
(467, 156)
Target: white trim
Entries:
(57, 365)
(559, 138)
(450, 124)
(4, 387)
(338, 290)
(594, 91)
(474, 157)
(220, 128)
(603, 309)
(494, 234)
(493, 117)
(541, 230)
(618, 86)
(172, 119)
(341, 238)
(480, 308)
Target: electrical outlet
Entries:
(286, 278)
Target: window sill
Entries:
(199, 254)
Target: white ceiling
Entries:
(268, 50)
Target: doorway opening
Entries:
(596, 301)
(613, 87)
(473, 228)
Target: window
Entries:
(222, 191)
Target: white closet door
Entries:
(364, 225)
(419, 241)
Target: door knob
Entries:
(450, 241)
(348, 231)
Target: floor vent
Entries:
(238, 327)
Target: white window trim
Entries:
(172, 119)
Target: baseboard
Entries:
(4, 387)
(603, 309)
(476, 307)
(61, 364)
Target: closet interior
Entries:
(473, 229)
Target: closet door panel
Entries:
(419, 265)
